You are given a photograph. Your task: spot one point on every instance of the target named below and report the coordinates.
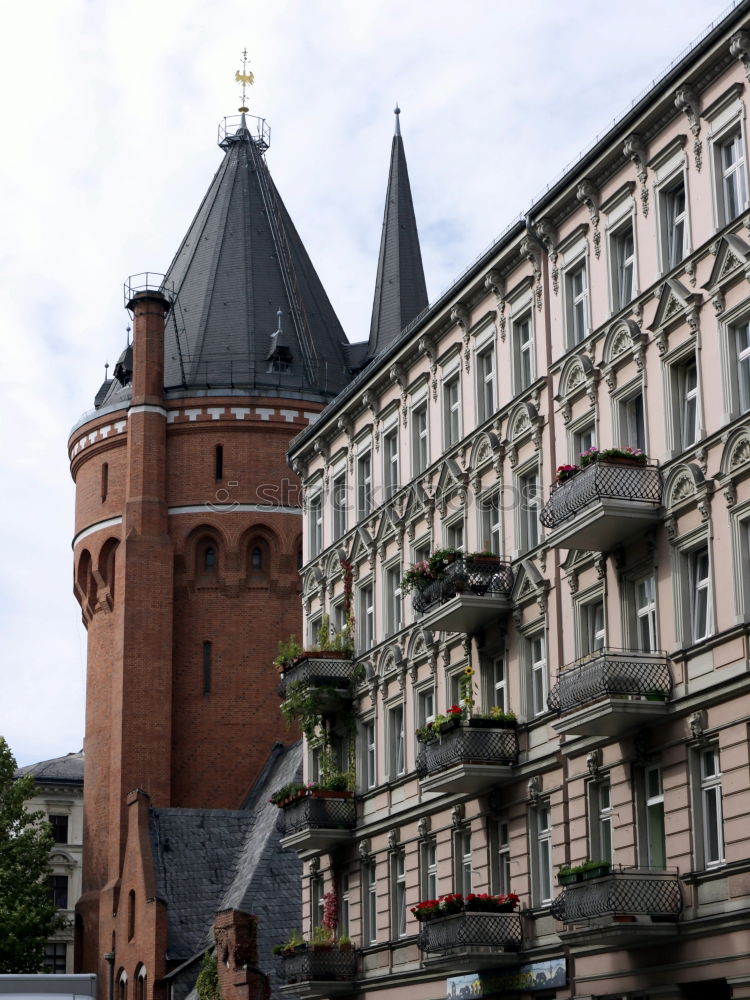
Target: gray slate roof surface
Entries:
(66, 770)
(400, 290)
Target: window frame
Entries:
(577, 323)
(315, 520)
(339, 502)
(370, 753)
(420, 437)
(391, 460)
(535, 668)
(393, 604)
(528, 525)
(601, 816)
(369, 903)
(486, 381)
(396, 741)
(540, 853)
(451, 408)
(428, 868)
(500, 856)
(618, 262)
(463, 869)
(366, 615)
(365, 505)
(398, 894)
(524, 350)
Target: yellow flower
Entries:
(468, 671)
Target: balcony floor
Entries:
(308, 842)
(465, 612)
(610, 716)
(470, 957)
(468, 777)
(603, 524)
(609, 934)
(317, 988)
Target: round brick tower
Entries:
(188, 533)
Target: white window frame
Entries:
(629, 433)
(536, 673)
(392, 602)
(577, 315)
(366, 616)
(650, 815)
(524, 366)
(500, 875)
(643, 612)
(712, 813)
(684, 556)
(396, 741)
(420, 437)
(364, 484)
(398, 893)
(369, 902)
(315, 519)
(540, 831)
(601, 820)
(391, 476)
(582, 437)
(455, 533)
(451, 396)
(425, 705)
(676, 392)
(428, 868)
(701, 593)
(462, 860)
(497, 681)
(370, 748)
(340, 501)
(620, 262)
(730, 177)
(735, 342)
(591, 615)
(528, 526)
(486, 378)
(491, 523)
(344, 893)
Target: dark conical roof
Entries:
(240, 262)
(400, 291)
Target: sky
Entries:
(110, 110)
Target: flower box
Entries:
(483, 722)
(595, 871)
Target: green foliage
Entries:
(288, 791)
(28, 916)
(207, 983)
(321, 935)
(289, 651)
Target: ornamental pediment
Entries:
(676, 304)
(732, 254)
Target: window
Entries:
(428, 869)
(207, 650)
(740, 335)
(541, 854)
(654, 839)
(485, 384)
(390, 463)
(256, 558)
(498, 690)
(454, 534)
(316, 524)
(699, 572)
(371, 760)
(122, 985)
(491, 523)
(711, 808)
(209, 559)
(645, 613)
(58, 887)
(344, 899)
(451, 412)
(632, 422)
(219, 462)
(140, 983)
(105, 481)
(59, 826)
(398, 894)
(500, 862)
(593, 632)
(392, 584)
(674, 224)
(462, 860)
(339, 506)
(364, 485)
(523, 353)
(55, 954)
(687, 378)
(317, 902)
(537, 674)
(577, 304)
(600, 820)
(397, 762)
(131, 914)
(528, 510)
(731, 177)
(425, 706)
(370, 903)
(419, 439)
(366, 618)
(622, 249)
(583, 439)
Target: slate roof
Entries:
(67, 770)
(400, 290)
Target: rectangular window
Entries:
(340, 501)
(622, 247)
(741, 336)
(370, 903)
(364, 485)
(632, 423)
(537, 667)
(711, 807)
(687, 377)
(316, 525)
(593, 632)
(55, 955)
(462, 860)
(344, 904)
(392, 584)
(397, 761)
(500, 867)
(425, 706)
(485, 384)
(492, 538)
(58, 887)
(699, 570)
(675, 225)
(428, 869)
(451, 412)
(577, 304)
(541, 855)
(390, 463)
(600, 820)
(730, 163)
(498, 683)
(366, 618)
(528, 510)
(398, 894)
(656, 843)
(523, 353)
(59, 826)
(371, 759)
(454, 534)
(583, 440)
(419, 439)
(645, 613)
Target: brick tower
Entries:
(188, 536)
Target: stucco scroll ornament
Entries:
(427, 347)
(739, 46)
(588, 194)
(314, 866)
(457, 816)
(535, 787)
(393, 838)
(573, 581)
(363, 849)
(531, 251)
(594, 762)
(697, 725)
(636, 151)
(686, 100)
(397, 375)
(494, 283)
(730, 493)
(423, 828)
(548, 236)
(460, 316)
(718, 301)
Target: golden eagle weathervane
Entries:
(244, 78)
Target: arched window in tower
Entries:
(131, 914)
(219, 462)
(256, 558)
(207, 666)
(122, 985)
(85, 582)
(107, 566)
(209, 559)
(105, 480)
(207, 555)
(140, 982)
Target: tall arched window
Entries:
(209, 559)
(140, 983)
(131, 914)
(122, 985)
(256, 558)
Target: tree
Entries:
(28, 916)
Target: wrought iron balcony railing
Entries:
(469, 576)
(637, 892)
(315, 813)
(321, 966)
(321, 670)
(602, 481)
(464, 931)
(464, 744)
(618, 672)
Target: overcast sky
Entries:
(110, 109)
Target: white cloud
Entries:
(110, 114)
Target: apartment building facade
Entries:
(607, 605)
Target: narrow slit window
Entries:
(207, 664)
(219, 462)
(105, 480)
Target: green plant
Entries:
(466, 689)
(321, 936)
(500, 715)
(336, 781)
(345, 942)
(426, 733)
(288, 791)
(288, 653)
(207, 983)
(594, 454)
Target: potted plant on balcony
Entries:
(426, 733)
(655, 694)
(288, 793)
(568, 874)
(448, 722)
(613, 456)
(565, 472)
(594, 869)
(495, 718)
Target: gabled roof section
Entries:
(251, 312)
(400, 290)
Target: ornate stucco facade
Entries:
(615, 621)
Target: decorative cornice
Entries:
(636, 151)
(588, 194)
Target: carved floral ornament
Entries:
(636, 151)
(578, 375)
(494, 283)
(687, 487)
(588, 194)
(531, 250)
(547, 233)
(426, 347)
(676, 305)
(739, 46)
(685, 99)
(461, 316)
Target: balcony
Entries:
(602, 505)
(467, 759)
(315, 974)
(324, 669)
(467, 941)
(625, 907)
(472, 593)
(317, 822)
(609, 692)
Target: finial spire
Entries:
(397, 112)
(279, 314)
(244, 78)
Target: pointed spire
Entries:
(400, 290)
